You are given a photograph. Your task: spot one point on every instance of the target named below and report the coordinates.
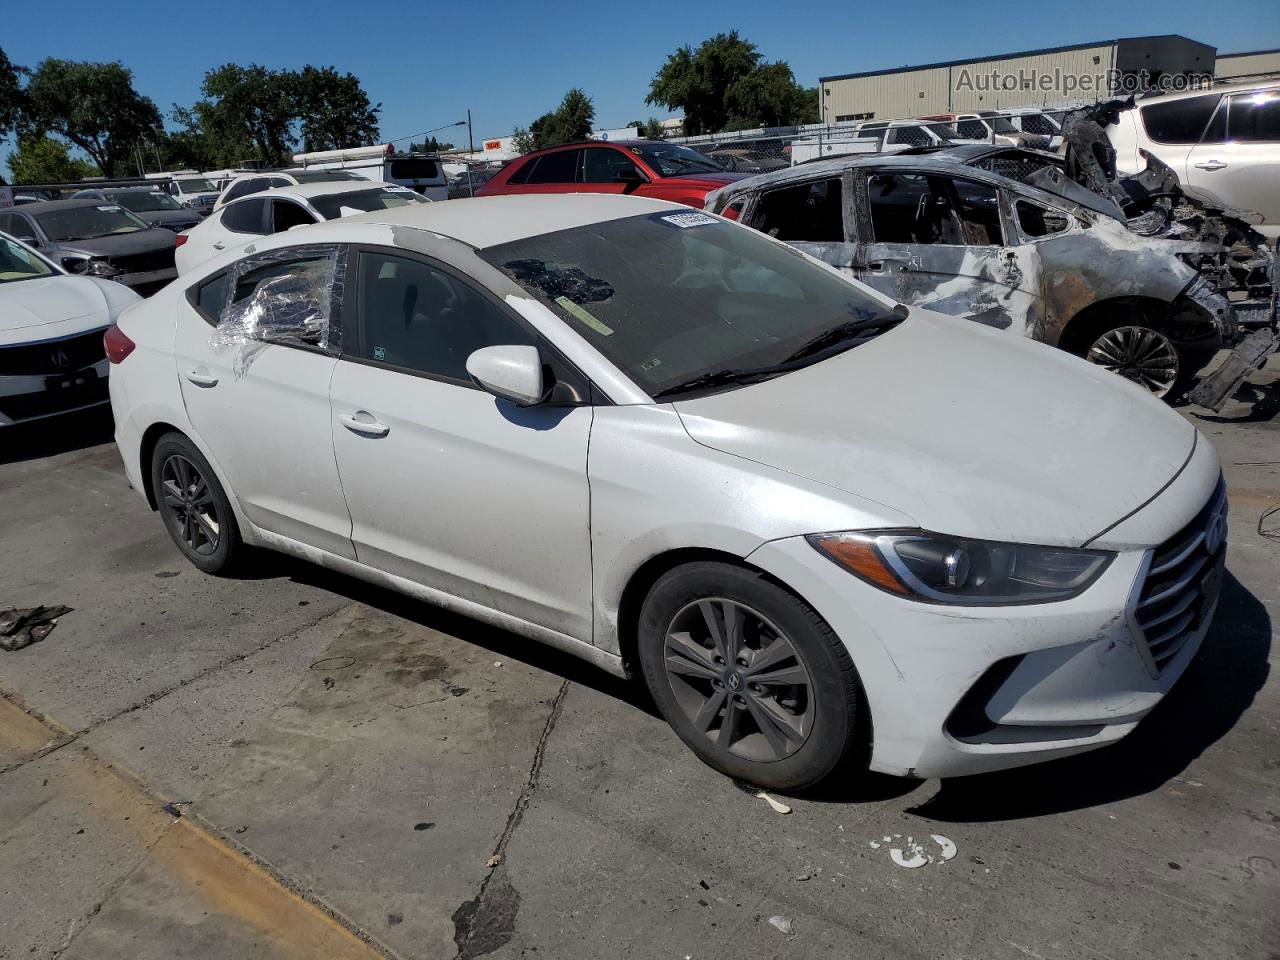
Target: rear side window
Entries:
(561, 167)
(244, 217)
(1254, 118)
(808, 212)
(211, 296)
(1178, 121)
(286, 214)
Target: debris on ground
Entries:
(912, 854)
(494, 860)
(783, 924)
(21, 627)
(777, 805)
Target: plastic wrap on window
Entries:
(297, 306)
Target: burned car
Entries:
(930, 229)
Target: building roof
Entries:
(1005, 56)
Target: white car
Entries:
(1223, 143)
(52, 358)
(248, 183)
(816, 522)
(198, 193)
(283, 208)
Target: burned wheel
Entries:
(1141, 354)
(749, 676)
(193, 505)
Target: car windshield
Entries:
(671, 160)
(196, 186)
(146, 201)
(674, 297)
(1002, 125)
(88, 222)
(336, 205)
(945, 131)
(19, 263)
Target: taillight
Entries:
(181, 239)
(118, 345)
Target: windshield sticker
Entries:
(578, 313)
(686, 220)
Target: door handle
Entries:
(879, 266)
(202, 379)
(1210, 165)
(876, 266)
(368, 428)
(218, 245)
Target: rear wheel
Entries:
(194, 506)
(749, 676)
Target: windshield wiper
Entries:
(850, 334)
(732, 375)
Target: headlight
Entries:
(87, 266)
(935, 568)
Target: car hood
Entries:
(159, 217)
(966, 430)
(51, 307)
(143, 241)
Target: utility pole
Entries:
(471, 148)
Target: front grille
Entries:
(53, 356)
(144, 262)
(1182, 581)
(60, 393)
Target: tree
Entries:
(94, 106)
(430, 145)
(725, 84)
(13, 99)
(568, 123)
(41, 159)
(522, 140)
(648, 130)
(249, 111)
(334, 110)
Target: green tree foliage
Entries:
(334, 110)
(568, 123)
(13, 99)
(41, 159)
(725, 85)
(248, 113)
(650, 129)
(94, 106)
(430, 145)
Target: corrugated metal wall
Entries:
(1233, 65)
(1021, 81)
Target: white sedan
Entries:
(283, 208)
(52, 358)
(823, 527)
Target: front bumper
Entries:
(961, 690)
(24, 399)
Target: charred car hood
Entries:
(45, 309)
(124, 244)
(963, 429)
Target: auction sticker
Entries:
(686, 220)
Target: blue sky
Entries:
(510, 62)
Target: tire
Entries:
(194, 507)
(822, 729)
(1139, 353)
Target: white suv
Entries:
(1223, 143)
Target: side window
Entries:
(1038, 124)
(244, 188)
(211, 296)
(602, 165)
(521, 173)
(979, 207)
(244, 216)
(1254, 118)
(284, 296)
(972, 130)
(18, 227)
(912, 136)
(561, 167)
(1178, 121)
(1037, 221)
(286, 214)
(418, 317)
(807, 212)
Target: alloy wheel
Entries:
(189, 505)
(738, 679)
(1145, 356)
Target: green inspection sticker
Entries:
(579, 314)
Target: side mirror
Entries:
(511, 372)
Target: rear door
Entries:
(945, 243)
(1237, 162)
(811, 216)
(255, 353)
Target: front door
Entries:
(448, 485)
(943, 243)
(255, 357)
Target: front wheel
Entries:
(194, 506)
(1141, 354)
(749, 676)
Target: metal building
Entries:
(1247, 66)
(1053, 76)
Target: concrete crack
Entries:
(487, 921)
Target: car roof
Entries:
(305, 191)
(1238, 87)
(53, 206)
(488, 221)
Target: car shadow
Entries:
(54, 435)
(1203, 706)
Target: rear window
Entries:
(414, 168)
(1178, 121)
